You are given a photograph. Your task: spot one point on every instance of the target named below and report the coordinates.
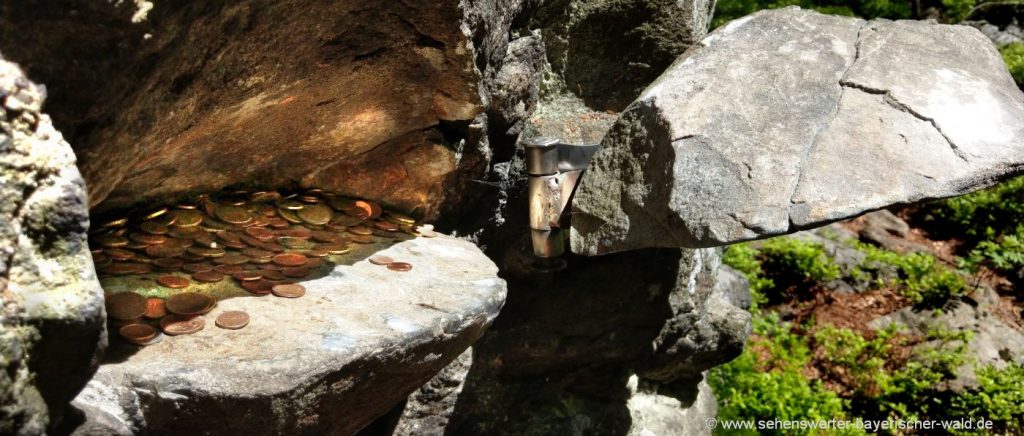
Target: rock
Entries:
(52, 316)
(653, 413)
(429, 408)
(270, 94)
(790, 119)
(515, 90)
(848, 259)
(359, 341)
(1000, 37)
(889, 231)
(994, 343)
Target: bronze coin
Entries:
(188, 206)
(335, 227)
(311, 199)
(155, 308)
(232, 320)
(371, 209)
(259, 287)
(360, 230)
(398, 218)
(227, 269)
(386, 226)
(119, 254)
(290, 216)
(316, 214)
(155, 213)
(381, 260)
(271, 246)
(317, 253)
(112, 242)
(184, 232)
(270, 274)
(295, 243)
(383, 233)
(189, 257)
(259, 221)
(173, 282)
(232, 258)
(298, 233)
(138, 334)
(233, 214)
(126, 268)
(120, 222)
(289, 290)
(339, 248)
(296, 272)
(347, 220)
(278, 223)
(245, 276)
(206, 252)
(125, 305)
(362, 239)
(323, 236)
(182, 325)
(228, 236)
(188, 218)
(208, 276)
(267, 210)
(168, 263)
(400, 266)
(137, 245)
(259, 233)
(290, 205)
(256, 253)
(189, 303)
(153, 228)
(165, 250)
(290, 259)
(197, 267)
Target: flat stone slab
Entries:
(361, 339)
(790, 119)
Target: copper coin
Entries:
(189, 303)
(339, 248)
(232, 258)
(347, 220)
(227, 269)
(246, 275)
(316, 214)
(155, 308)
(147, 238)
(384, 225)
(188, 218)
(184, 232)
(153, 228)
(168, 263)
(258, 253)
(232, 320)
(120, 222)
(270, 274)
(119, 254)
(125, 305)
(400, 266)
(259, 233)
(197, 267)
(259, 221)
(233, 214)
(278, 223)
(228, 236)
(189, 206)
(188, 257)
(290, 259)
(112, 242)
(398, 218)
(323, 236)
(296, 272)
(155, 213)
(289, 290)
(296, 243)
(173, 282)
(182, 325)
(206, 252)
(309, 199)
(383, 233)
(259, 287)
(360, 230)
(362, 239)
(137, 245)
(208, 276)
(290, 216)
(165, 250)
(126, 268)
(138, 334)
(381, 260)
(299, 233)
(372, 210)
(317, 253)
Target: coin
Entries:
(155, 308)
(233, 258)
(155, 213)
(165, 250)
(296, 272)
(125, 305)
(232, 320)
(317, 253)
(112, 242)
(399, 218)
(259, 287)
(188, 206)
(173, 282)
(296, 243)
(208, 276)
(381, 260)
(290, 216)
(120, 222)
(278, 223)
(290, 259)
(233, 214)
(126, 268)
(153, 228)
(362, 239)
(197, 267)
(188, 218)
(387, 226)
(139, 334)
(372, 210)
(256, 253)
(259, 233)
(316, 214)
(168, 263)
(206, 252)
(184, 232)
(270, 274)
(174, 325)
(339, 248)
(290, 205)
(360, 230)
(119, 254)
(289, 290)
(323, 236)
(400, 266)
(246, 275)
(189, 303)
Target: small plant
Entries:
(1013, 55)
(921, 278)
(999, 397)
(743, 258)
(1004, 254)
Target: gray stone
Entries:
(51, 305)
(790, 119)
(885, 229)
(429, 408)
(359, 341)
(656, 414)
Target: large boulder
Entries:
(361, 339)
(51, 305)
(790, 119)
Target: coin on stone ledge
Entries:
(173, 282)
(125, 305)
(189, 303)
(233, 214)
(316, 214)
(290, 259)
(232, 320)
(400, 266)
(208, 276)
(381, 260)
(155, 308)
(181, 325)
(138, 334)
(292, 290)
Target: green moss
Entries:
(1013, 55)
(999, 397)
(922, 278)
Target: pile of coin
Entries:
(265, 241)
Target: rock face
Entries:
(51, 318)
(790, 119)
(359, 341)
(355, 95)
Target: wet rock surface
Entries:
(835, 117)
(51, 305)
(361, 339)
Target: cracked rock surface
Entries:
(789, 119)
(51, 305)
